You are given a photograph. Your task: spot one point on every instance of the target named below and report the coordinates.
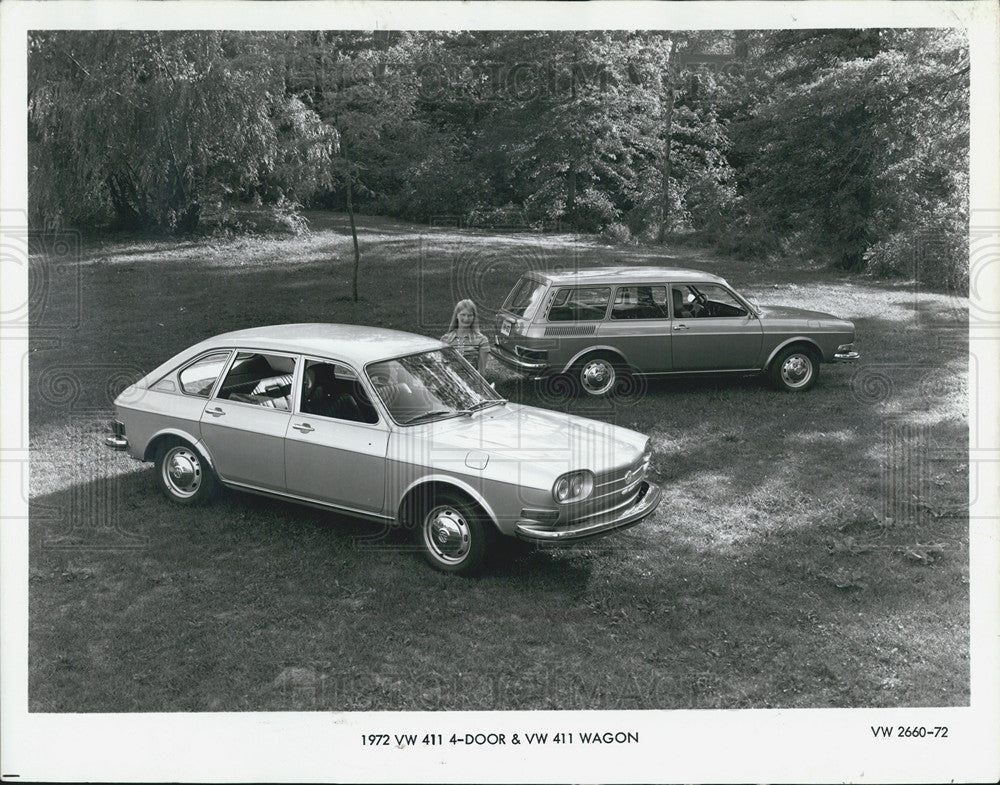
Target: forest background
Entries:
(840, 147)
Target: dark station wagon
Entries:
(597, 326)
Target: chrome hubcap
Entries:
(447, 535)
(182, 472)
(597, 377)
(796, 370)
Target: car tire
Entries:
(795, 369)
(597, 375)
(453, 534)
(183, 474)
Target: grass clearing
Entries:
(810, 550)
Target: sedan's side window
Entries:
(705, 300)
(199, 377)
(640, 302)
(334, 390)
(260, 379)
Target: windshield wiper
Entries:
(484, 404)
(436, 413)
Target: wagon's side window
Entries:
(199, 377)
(334, 390)
(640, 302)
(580, 304)
(260, 379)
(705, 300)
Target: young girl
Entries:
(464, 334)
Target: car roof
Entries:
(353, 343)
(624, 275)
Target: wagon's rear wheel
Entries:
(182, 473)
(597, 375)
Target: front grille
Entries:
(613, 490)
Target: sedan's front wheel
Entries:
(183, 475)
(795, 369)
(453, 535)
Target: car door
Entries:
(336, 442)
(639, 326)
(244, 424)
(712, 330)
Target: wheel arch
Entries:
(800, 340)
(598, 349)
(167, 434)
(439, 483)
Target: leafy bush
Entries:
(616, 234)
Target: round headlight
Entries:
(573, 486)
(562, 489)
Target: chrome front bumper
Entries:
(511, 360)
(535, 531)
(846, 357)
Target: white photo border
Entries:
(801, 745)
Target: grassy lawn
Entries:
(810, 550)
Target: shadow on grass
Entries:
(811, 550)
(717, 601)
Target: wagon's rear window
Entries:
(580, 305)
(640, 302)
(524, 299)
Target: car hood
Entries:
(527, 435)
(784, 313)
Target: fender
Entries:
(195, 442)
(592, 350)
(446, 479)
(787, 341)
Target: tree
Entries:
(363, 90)
(147, 128)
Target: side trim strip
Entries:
(305, 500)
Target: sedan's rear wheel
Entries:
(183, 474)
(453, 534)
(794, 369)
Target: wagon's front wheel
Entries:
(453, 534)
(795, 369)
(183, 474)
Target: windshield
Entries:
(524, 299)
(430, 386)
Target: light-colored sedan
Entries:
(386, 425)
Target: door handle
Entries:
(303, 427)
(216, 412)
(680, 326)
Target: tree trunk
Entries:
(127, 214)
(571, 193)
(354, 237)
(668, 136)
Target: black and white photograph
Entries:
(515, 391)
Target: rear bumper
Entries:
(511, 360)
(117, 441)
(645, 504)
